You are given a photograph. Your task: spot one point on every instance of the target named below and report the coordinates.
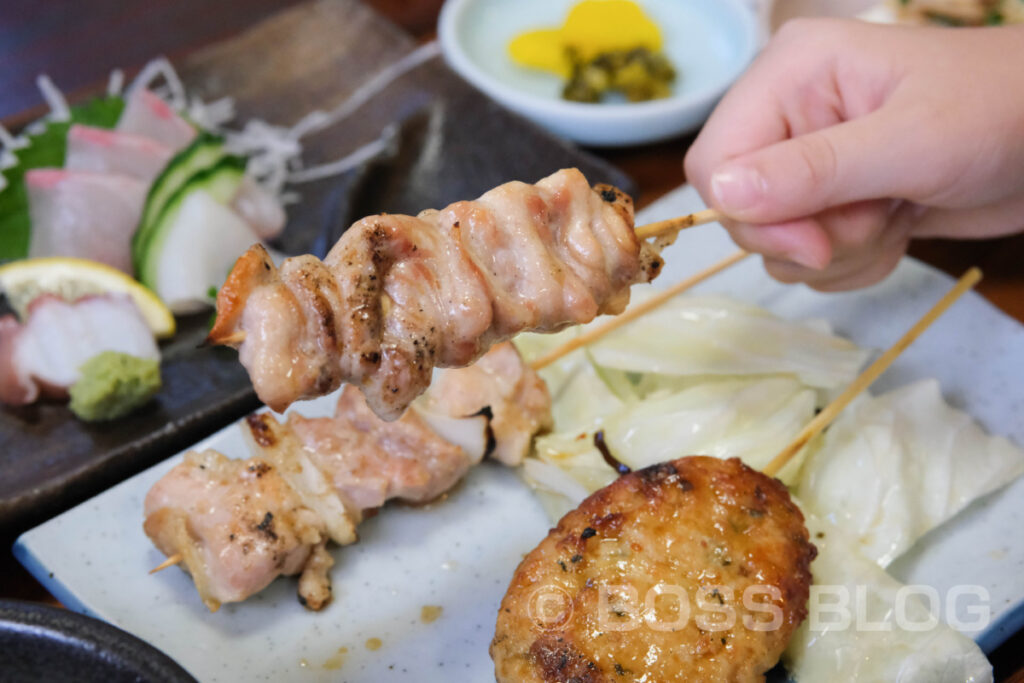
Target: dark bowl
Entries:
(41, 643)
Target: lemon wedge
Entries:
(71, 278)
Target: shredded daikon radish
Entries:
(339, 166)
(150, 74)
(11, 142)
(211, 115)
(316, 121)
(115, 84)
(59, 110)
(274, 152)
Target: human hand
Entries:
(845, 139)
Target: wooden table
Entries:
(78, 42)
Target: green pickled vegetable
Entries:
(112, 385)
(638, 74)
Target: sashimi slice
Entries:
(260, 209)
(84, 214)
(45, 353)
(111, 151)
(147, 115)
(16, 387)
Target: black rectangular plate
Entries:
(446, 142)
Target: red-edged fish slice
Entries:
(147, 115)
(111, 151)
(84, 214)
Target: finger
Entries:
(860, 271)
(996, 220)
(854, 227)
(850, 162)
(802, 241)
(873, 271)
(750, 116)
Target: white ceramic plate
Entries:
(710, 42)
(460, 554)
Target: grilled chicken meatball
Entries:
(692, 570)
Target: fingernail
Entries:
(737, 188)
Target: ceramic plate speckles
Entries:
(460, 554)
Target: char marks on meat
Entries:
(325, 473)
(399, 295)
(237, 525)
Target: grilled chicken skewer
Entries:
(517, 406)
(399, 295)
(237, 525)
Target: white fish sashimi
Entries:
(705, 335)
(147, 115)
(59, 336)
(865, 626)
(260, 209)
(895, 466)
(84, 214)
(110, 151)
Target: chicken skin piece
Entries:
(692, 570)
(400, 295)
(237, 526)
(370, 461)
(517, 398)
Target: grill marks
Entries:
(398, 295)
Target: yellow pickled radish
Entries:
(541, 49)
(591, 28)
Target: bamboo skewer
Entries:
(169, 562)
(672, 225)
(584, 339)
(657, 229)
(866, 378)
(636, 312)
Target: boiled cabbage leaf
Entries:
(889, 638)
(895, 466)
(710, 335)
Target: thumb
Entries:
(802, 176)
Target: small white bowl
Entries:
(710, 43)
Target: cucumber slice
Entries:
(220, 182)
(204, 152)
(196, 247)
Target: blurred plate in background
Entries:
(709, 42)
